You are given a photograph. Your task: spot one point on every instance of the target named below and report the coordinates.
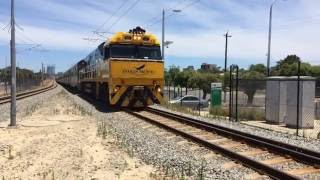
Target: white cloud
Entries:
(294, 29)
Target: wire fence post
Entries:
(199, 101)
(237, 89)
(231, 108)
(169, 89)
(230, 94)
(298, 98)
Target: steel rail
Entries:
(6, 99)
(246, 161)
(298, 153)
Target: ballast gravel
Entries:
(27, 105)
(312, 144)
(171, 158)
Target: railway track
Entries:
(244, 149)
(7, 99)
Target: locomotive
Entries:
(126, 70)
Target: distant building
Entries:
(189, 68)
(208, 67)
(51, 70)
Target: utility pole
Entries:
(13, 68)
(269, 40)
(163, 28)
(269, 37)
(227, 36)
(42, 74)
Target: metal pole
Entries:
(225, 65)
(237, 88)
(13, 68)
(169, 89)
(298, 98)
(269, 39)
(162, 44)
(42, 73)
(230, 94)
(199, 101)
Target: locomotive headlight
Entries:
(158, 89)
(116, 89)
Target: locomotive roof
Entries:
(137, 36)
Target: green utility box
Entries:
(216, 92)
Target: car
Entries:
(190, 101)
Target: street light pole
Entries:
(13, 68)
(225, 66)
(165, 43)
(162, 44)
(269, 38)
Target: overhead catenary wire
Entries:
(170, 8)
(35, 46)
(171, 14)
(112, 15)
(123, 14)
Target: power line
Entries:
(185, 7)
(26, 37)
(170, 8)
(123, 14)
(112, 15)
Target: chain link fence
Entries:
(25, 81)
(286, 104)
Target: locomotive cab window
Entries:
(123, 51)
(135, 52)
(149, 52)
(106, 53)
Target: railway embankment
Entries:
(57, 138)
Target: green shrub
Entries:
(251, 114)
(218, 111)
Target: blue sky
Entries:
(197, 32)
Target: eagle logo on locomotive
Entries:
(138, 70)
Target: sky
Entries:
(54, 31)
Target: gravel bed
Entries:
(243, 148)
(289, 165)
(165, 154)
(27, 105)
(310, 176)
(312, 144)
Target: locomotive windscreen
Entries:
(135, 52)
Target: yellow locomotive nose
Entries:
(141, 82)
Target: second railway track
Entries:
(246, 149)
(7, 99)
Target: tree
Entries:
(261, 68)
(315, 71)
(203, 81)
(183, 78)
(289, 67)
(173, 72)
(251, 82)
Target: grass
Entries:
(220, 112)
(10, 153)
(33, 108)
(252, 114)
